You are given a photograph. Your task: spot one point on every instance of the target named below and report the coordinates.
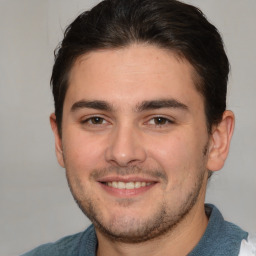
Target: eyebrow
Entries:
(162, 103)
(95, 104)
(143, 106)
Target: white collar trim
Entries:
(248, 248)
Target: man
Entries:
(140, 125)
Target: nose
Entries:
(125, 148)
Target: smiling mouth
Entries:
(127, 185)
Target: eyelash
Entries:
(163, 119)
(166, 121)
(89, 120)
(163, 122)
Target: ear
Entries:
(220, 141)
(58, 142)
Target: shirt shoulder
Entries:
(66, 246)
(248, 247)
(221, 237)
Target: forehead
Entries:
(131, 74)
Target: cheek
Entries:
(170, 150)
(179, 155)
(83, 152)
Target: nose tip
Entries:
(125, 159)
(125, 150)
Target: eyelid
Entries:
(86, 119)
(169, 120)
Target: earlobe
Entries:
(220, 141)
(58, 142)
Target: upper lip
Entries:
(127, 179)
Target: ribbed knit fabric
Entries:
(221, 238)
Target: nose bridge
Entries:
(125, 146)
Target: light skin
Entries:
(134, 116)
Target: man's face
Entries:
(134, 140)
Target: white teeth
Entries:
(114, 184)
(120, 185)
(127, 185)
(137, 184)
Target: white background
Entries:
(35, 203)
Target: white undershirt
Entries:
(248, 248)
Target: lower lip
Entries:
(126, 192)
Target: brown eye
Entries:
(96, 120)
(160, 120)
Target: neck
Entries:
(190, 230)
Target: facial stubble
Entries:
(135, 230)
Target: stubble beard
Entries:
(135, 230)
